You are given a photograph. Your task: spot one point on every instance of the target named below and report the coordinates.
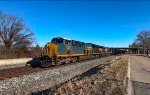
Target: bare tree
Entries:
(14, 32)
(143, 40)
(135, 44)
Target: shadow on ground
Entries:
(141, 88)
(34, 62)
(92, 71)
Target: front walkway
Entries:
(139, 79)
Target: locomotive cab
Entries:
(50, 50)
(48, 55)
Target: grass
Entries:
(107, 79)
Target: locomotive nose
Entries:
(48, 55)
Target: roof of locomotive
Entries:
(67, 39)
(94, 45)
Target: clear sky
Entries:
(108, 23)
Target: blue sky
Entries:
(108, 23)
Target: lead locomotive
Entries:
(61, 50)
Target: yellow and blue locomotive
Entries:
(61, 50)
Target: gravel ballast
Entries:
(27, 84)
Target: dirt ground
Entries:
(107, 79)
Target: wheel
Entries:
(45, 61)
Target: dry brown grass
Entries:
(19, 52)
(108, 79)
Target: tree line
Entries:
(15, 35)
(14, 31)
(142, 41)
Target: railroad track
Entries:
(20, 71)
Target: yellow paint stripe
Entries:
(96, 53)
(65, 55)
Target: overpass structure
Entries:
(123, 50)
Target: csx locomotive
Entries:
(61, 50)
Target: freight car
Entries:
(61, 50)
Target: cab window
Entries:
(67, 42)
(59, 41)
